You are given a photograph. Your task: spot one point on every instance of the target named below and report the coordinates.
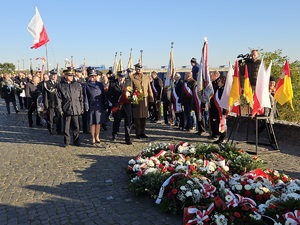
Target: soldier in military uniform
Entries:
(49, 94)
(140, 111)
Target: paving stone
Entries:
(44, 183)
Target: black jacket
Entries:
(114, 93)
(49, 93)
(32, 92)
(178, 89)
(69, 98)
(185, 99)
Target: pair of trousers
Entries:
(33, 108)
(187, 116)
(140, 125)
(50, 117)
(127, 123)
(71, 122)
(8, 106)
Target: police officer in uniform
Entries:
(69, 104)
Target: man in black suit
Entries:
(121, 107)
(49, 94)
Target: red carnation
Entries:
(174, 191)
(237, 214)
(259, 198)
(247, 193)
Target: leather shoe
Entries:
(128, 142)
(143, 136)
(138, 136)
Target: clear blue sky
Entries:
(96, 29)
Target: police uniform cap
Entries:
(69, 72)
(121, 74)
(92, 73)
(53, 72)
(138, 65)
(110, 72)
(78, 70)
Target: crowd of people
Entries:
(73, 101)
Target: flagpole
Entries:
(47, 58)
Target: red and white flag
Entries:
(224, 101)
(261, 96)
(37, 29)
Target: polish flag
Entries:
(261, 97)
(37, 29)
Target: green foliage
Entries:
(7, 67)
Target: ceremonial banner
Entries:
(248, 93)
(120, 64)
(205, 88)
(37, 29)
(130, 64)
(284, 89)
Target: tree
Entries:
(7, 67)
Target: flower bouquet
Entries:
(214, 186)
(129, 95)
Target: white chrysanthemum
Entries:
(220, 219)
(179, 167)
(141, 160)
(151, 170)
(212, 166)
(255, 216)
(150, 163)
(291, 195)
(250, 181)
(222, 184)
(188, 194)
(258, 191)
(226, 168)
(181, 196)
(196, 179)
(279, 182)
(192, 150)
(228, 198)
(131, 162)
(247, 187)
(239, 187)
(236, 176)
(190, 182)
(183, 188)
(136, 168)
(135, 179)
(262, 208)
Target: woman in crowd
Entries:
(94, 104)
(8, 90)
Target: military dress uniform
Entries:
(49, 94)
(140, 111)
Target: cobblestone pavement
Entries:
(42, 182)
